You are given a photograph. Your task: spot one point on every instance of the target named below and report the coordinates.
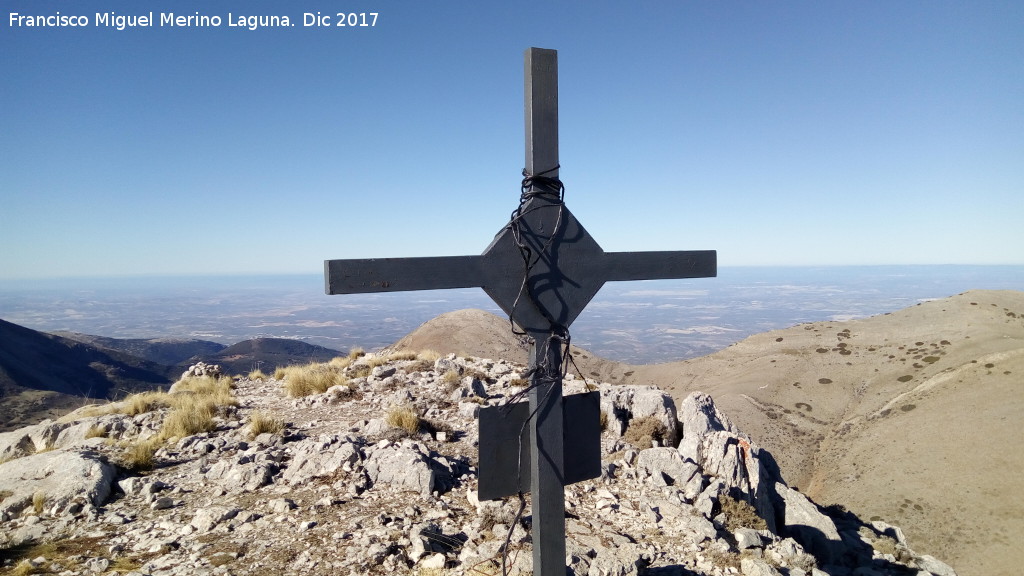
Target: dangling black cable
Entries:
(535, 185)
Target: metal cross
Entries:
(541, 269)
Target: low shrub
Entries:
(885, 545)
(740, 514)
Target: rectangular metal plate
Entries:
(505, 471)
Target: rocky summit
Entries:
(377, 474)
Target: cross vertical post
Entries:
(547, 487)
(542, 268)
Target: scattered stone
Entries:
(934, 566)
(162, 503)
(757, 567)
(318, 458)
(57, 477)
(403, 468)
(389, 501)
(206, 518)
(201, 369)
(747, 538)
(282, 505)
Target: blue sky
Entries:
(778, 133)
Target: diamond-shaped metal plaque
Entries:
(566, 267)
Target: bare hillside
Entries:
(44, 375)
(902, 416)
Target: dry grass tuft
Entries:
(313, 378)
(359, 370)
(145, 402)
(256, 374)
(24, 568)
(96, 431)
(139, 456)
(192, 414)
(341, 362)
(405, 418)
(220, 390)
(419, 365)
(193, 405)
(429, 355)
(263, 423)
(642, 432)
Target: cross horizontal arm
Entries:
(400, 274)
(660, 265)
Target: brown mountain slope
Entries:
(909, 416)
(265, 354)
(901, 416)
(469, 333)
(44, 375)
(165, 351)
(481, 334)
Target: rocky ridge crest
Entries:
(341, 489)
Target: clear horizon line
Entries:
(250, 274)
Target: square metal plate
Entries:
(505, 445)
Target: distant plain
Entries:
(634, 322)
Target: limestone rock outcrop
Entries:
(339, 490)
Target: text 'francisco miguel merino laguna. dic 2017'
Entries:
(171, 19)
